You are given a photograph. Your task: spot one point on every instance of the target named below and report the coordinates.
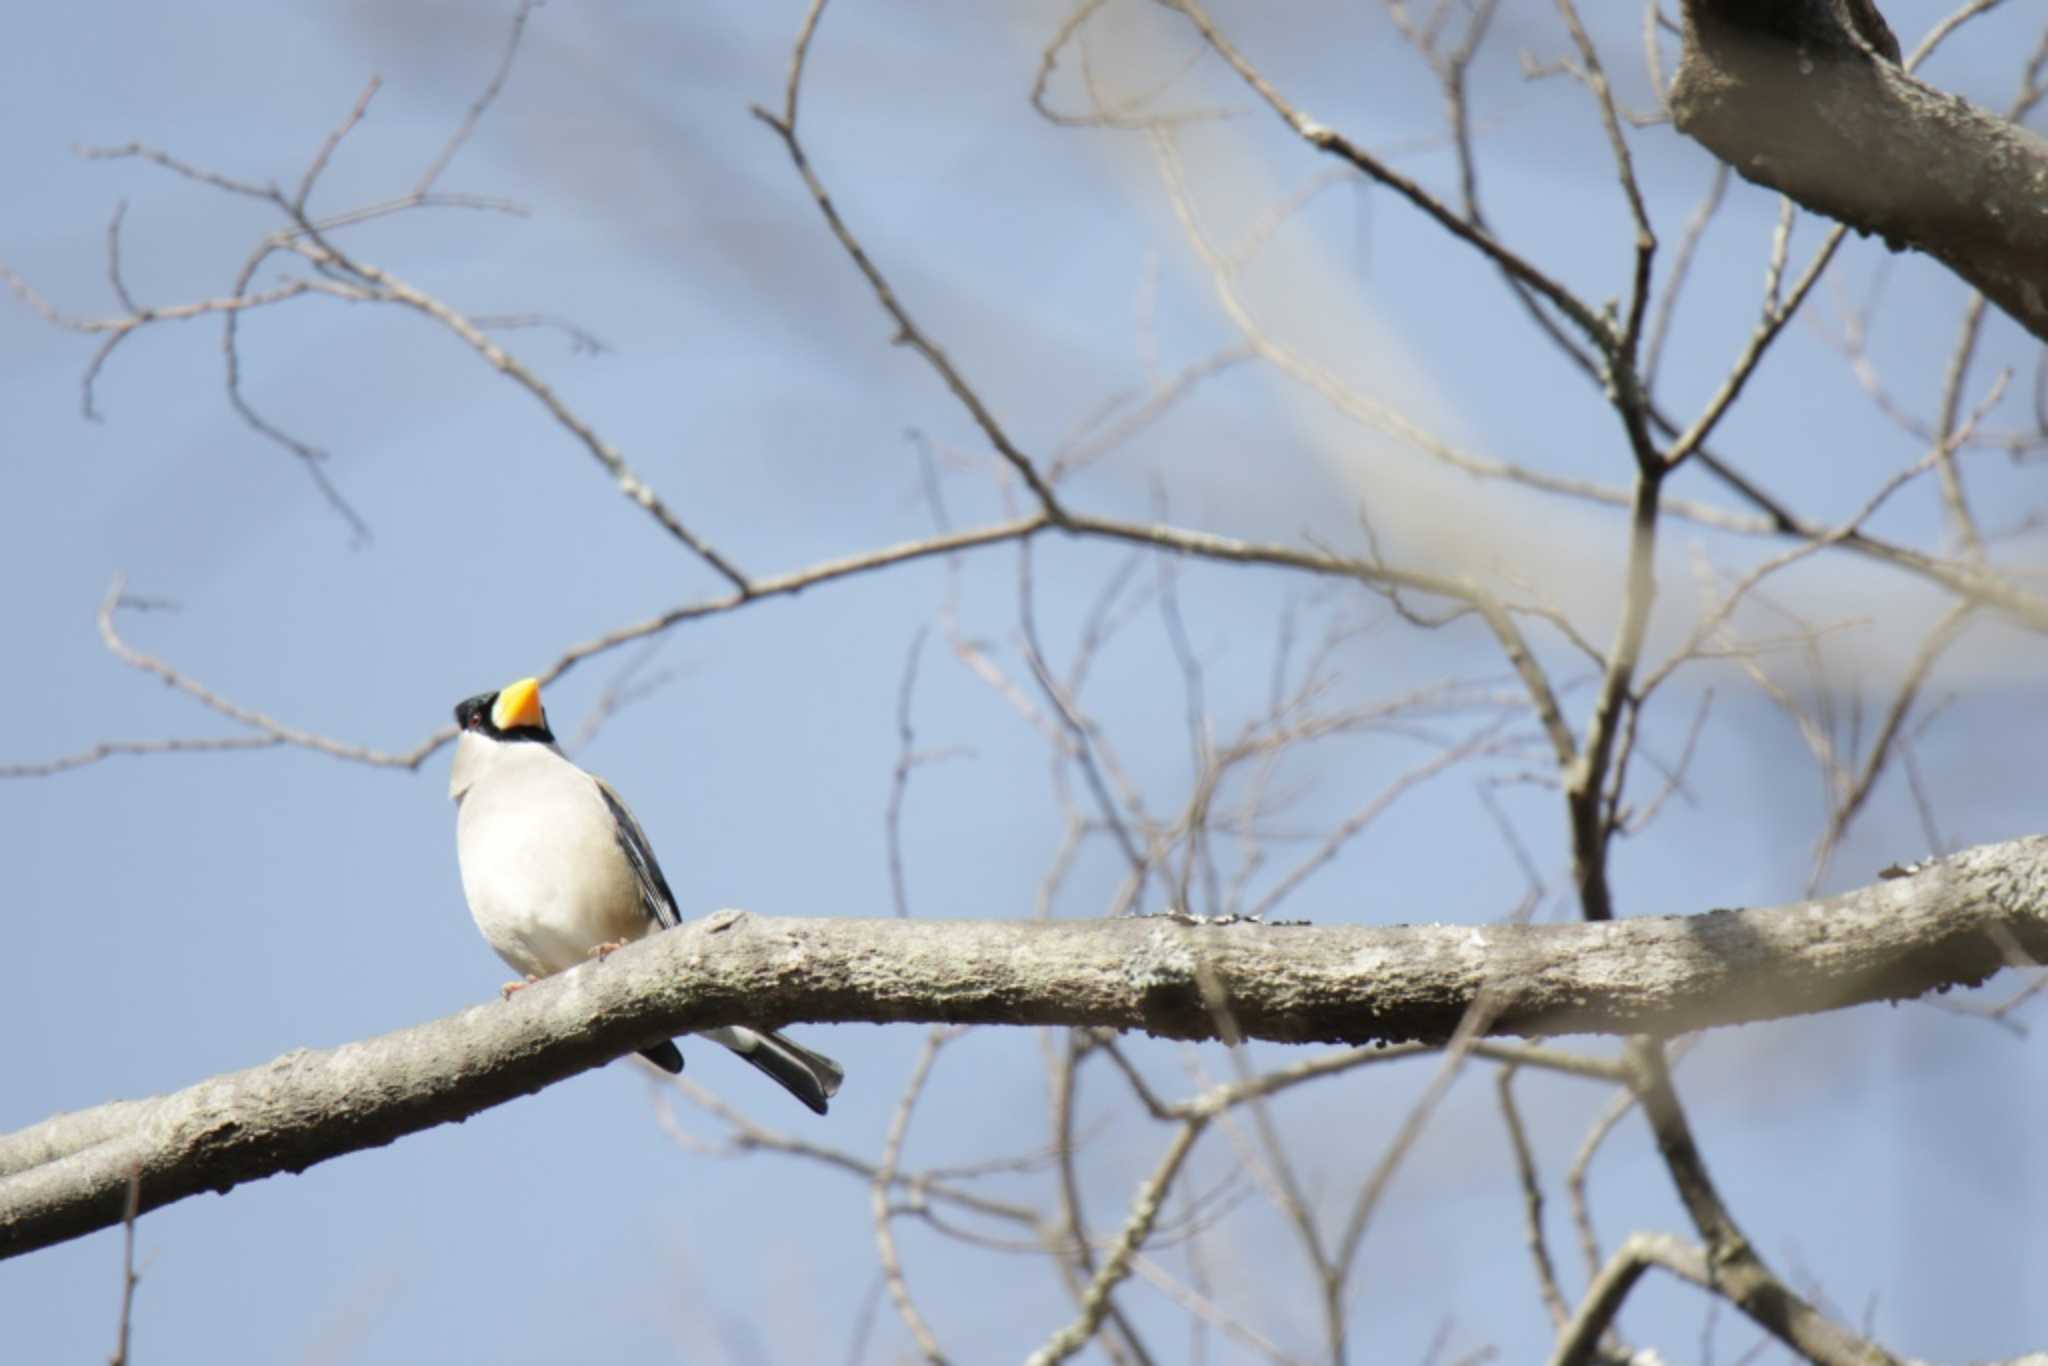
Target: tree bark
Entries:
(1955, 922)
(1804, 98)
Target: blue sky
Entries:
(180, 916)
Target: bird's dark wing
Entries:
(655, 896)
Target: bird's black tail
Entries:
(666, 1056)
(811, 1077)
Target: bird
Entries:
(557, 871)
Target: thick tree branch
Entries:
(1799, 98)
(1955, 922)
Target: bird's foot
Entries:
(505, 992)
(607, 949)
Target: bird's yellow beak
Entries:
(518, 705)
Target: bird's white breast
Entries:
(541, 865)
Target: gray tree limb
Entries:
(1954, 922)
(1806, 97)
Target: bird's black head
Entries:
(511, 713)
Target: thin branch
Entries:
(1949, 424)
(907, 331)
(1858, 789)
(885, 1176)
(1324, 139)
(1532, 1200)
(1202, 1307)
(273, 731)
(1578, 1341)
(1625, 347)
(629, 482)
(748, 1135)
(1586, 773)
(1738, 1271)
(1075, 1253)
(1485, 740)
(117, 330)
(481, 104)
(130, 1277)
(1689, 238)
(1691, 441)
(318, 164)
(908, 759)
(247, 189)
(1480, 1013)
(1609, 1119)
(624, 689)
(107, 749)
(1370, 412)
(1117, 1266)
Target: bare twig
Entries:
(481, 104)
(885, 1176)
(1738, 1271)
(272, 730)
(1117, 1266)
(624, 689)
(1578, 1341)
(318, 164)
(1532, 1200)
(1855, 791)
(1625, 347)
(130, 1277)
(107, 749)
(748, 1135)
(907, 331)
(1075, 1253)
(1689, 238)
(908, 759)
(1324, 139)
(629, 482)
(1478, 1019)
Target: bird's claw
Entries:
(606, 949)
(505, 992)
